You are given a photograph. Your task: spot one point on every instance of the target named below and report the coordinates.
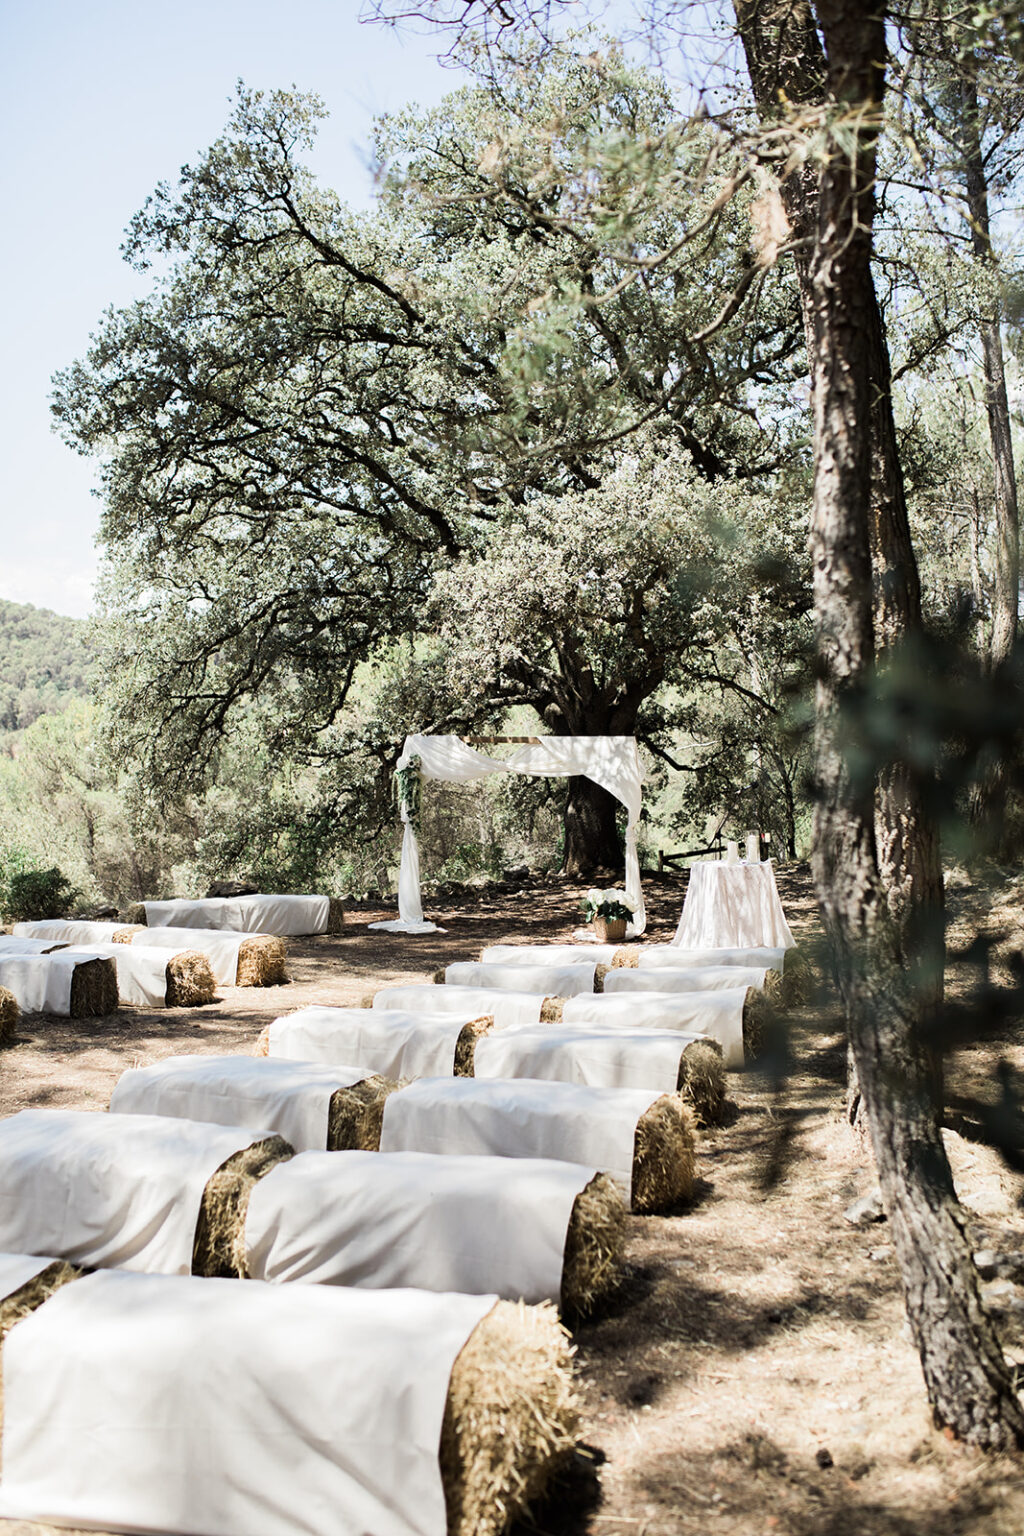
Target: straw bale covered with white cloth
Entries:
(718, 1015)
(108, 1190)
(291, 1098)
(203, 1405)
(547, 980)
(592, 1126)
(281, 915)
(17, 1269)
(595, 1057)
(697, 978)
(11, 944)
(550, 954)
(219, 946)
(439, 1223)
(42, 983)
(673, 958)
(141, 970)
(393, 1042)
(504, 1007)
(67, 930)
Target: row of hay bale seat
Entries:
(234, 959)
(70, 985)
(278, 1409)
(284, 916)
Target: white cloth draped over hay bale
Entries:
(674, 958)
(504, 1007)
(293, 1099)
(280, 915)
(547, 980)
(236, 959)
(317, 1408)
(146, 976)
(111, 1190)
(17, 1269)
(698, 978)
(438, 1223)
(79, 985)
(550, 954)
(595, 1058)
(67, 930)
(15, 944)
(717, 1015)
(598, 1127)
(393, 1042)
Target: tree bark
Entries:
(592, 840)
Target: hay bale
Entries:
(551, 1010)
(262, 1046)
(126, 934)
(357, 1113)
(593, 1247)
(799, 980)
(702, 1081)
(663, 1155)
(335, 915)
(262, 962)
(135, 915)
(465, 1045)
(219, 1245)
(10, 1013)
(510, 1420)
(190, 981)
(628, 956)
(366, 1001)
(759, 1020)
(438, 978)
(94, 989)
(600, 972)
(28, 1298)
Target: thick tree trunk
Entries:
(592, 840)
(968, 1384)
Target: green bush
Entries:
(39, 893)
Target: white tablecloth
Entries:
(470, 1224)
(596, 1057)
(231, 1408)
(467, 1002)
(732, 906)
(699, 978)
(101, 1190)
(548, 980)
(719, 1015)
(244, 914)
(673, 958)
(291, 1098)
(387, 1041)
(592, 1126)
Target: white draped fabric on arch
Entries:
(611, 761)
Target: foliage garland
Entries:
(408, 783)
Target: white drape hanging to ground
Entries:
(611, 761)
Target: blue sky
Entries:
(101, 101)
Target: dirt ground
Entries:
(755, 1374)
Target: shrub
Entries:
(39, 893)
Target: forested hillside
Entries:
(44, 662)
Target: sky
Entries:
(101, 101)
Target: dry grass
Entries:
(94, 989)
(10, 1013)
(465, 1045)
(357, 1114)
(219, 1246)
(335, 916)
(27, 1299)
(190, 981)
(262, 1046)
(663, 1156)
(702, 1081)
(600, 972)
(551, 1010)
(510, 1420)
(262, 962)
(594, 1241)
(628, 957)
(126, 934)
(438, 978)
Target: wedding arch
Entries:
(611, 761)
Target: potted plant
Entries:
(608, 912)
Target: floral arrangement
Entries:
(607, 904)
(408, 786)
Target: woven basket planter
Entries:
(610, 930)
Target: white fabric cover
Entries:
(230, 1408)
(599, 1058)
(592, 1126)
(11, 945)
(66, 930)
(549, 954)
(41, 983)
(107, 1190)
(675, 959)
(17, 1269)
(141, 973)
(470, 1224)
(466, 1002)
(548, 980)
(388, 1041)
(697, 978)
(611, 761)
(292, 1098)
(718, 1015)
(282, 915)
(732, 906)
(218, 945)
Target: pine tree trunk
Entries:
(591, 836)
